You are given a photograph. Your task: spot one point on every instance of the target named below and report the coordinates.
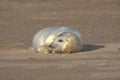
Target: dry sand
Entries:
(97, 20)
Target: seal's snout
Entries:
(51, 46)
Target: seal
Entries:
(57, 39)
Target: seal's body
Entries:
(58, 39)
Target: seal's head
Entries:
(65, 43)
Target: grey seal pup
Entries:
(57, 39)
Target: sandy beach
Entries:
(97, 20)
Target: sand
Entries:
(97, 20)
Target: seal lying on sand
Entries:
(58, 39)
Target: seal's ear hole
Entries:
(60, 40)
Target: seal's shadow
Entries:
(90, 47)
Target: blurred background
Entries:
(97, 20)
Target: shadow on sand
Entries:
(90, 47)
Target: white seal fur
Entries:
(58, 39)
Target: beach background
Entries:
(97, 20)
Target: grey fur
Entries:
(58, 39)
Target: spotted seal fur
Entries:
(57, 39)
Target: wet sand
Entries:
(97, 20)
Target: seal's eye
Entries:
(60, 40)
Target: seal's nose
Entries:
(51, 46)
